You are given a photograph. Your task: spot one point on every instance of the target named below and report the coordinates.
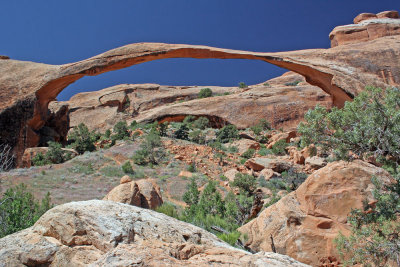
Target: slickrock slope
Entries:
(26, 88)
(366, 27)
(283, 101)
(304, 223)
(105, 233)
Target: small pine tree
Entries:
(127, 168)
(227, 133)
(81, 139)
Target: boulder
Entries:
(151, 195)
(304, 223)
(230, 174)
(104, 233)
(143, 193)
(281, 136)
(276, 164)
(315, 162)
(125, 179)
(364, 16)
(244, 144)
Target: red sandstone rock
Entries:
(392, 14)
(364, 16)
(143, 193)
(304, 223)
(368, 27)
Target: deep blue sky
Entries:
(57, 32)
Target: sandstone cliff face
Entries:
(104, 233)
(26, 88)
(282, 101)
(304, 223)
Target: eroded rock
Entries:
(304, 223)
(105, 233)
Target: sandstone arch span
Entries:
(26, 88)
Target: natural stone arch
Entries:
(26, 88)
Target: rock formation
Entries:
(304, 223)
(26, 88)
(278, 100)
(144, 193)
(105, 233)
(367, 27)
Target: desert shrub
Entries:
(191, 167)
(230, 238)
(245, 183)
(375, 230)
(279, 147)
(182, 132)
(112, 171)
(81, 139)
(366, 126)
(249, 153)
(201, 123)
(6, 157)
(39, 160)
(227, 133)
(168, 209)
(293, 179)
(20, 210)
(150, 151)
(189, 119)
(205, 92)
(162, 128)
(242, 85)
(54, 155)
(127, 167)
(107, 133)
(264, 151)
(197, 136)
(120, 131)
(295, 83)
(256, 129)
(233, 149)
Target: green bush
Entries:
(201, 123)
(120, 131)
(205, 92)
(245, 183)
(279, 148)
(249, 153)
(366, 126)
(81, 139)
(295, 83)
(197, 136)
(168, 209)
(182, 132)
(227, 133)
(127, 167)
(54, 155)
(192, 168)
(242, 85)
(20, 210)
(264, 151)
(150, 151)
